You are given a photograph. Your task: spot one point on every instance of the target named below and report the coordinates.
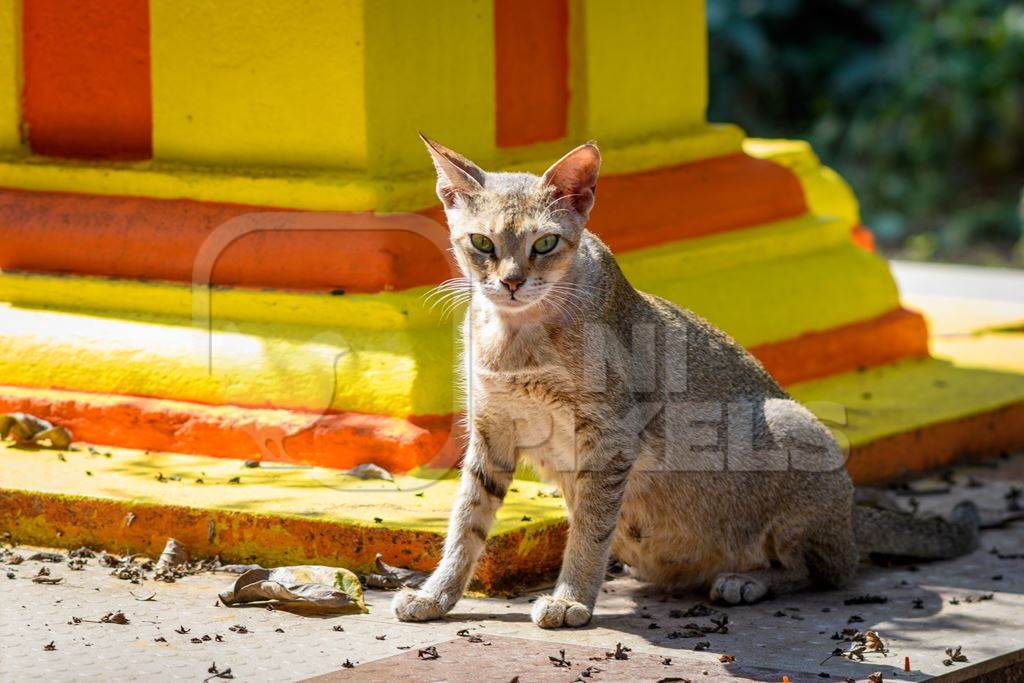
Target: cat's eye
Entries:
(482, 242)
(545, 244)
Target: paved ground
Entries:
(975, 602)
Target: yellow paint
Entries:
(10, 76)
(970, 376)
(386, 372)
(405, 310)
(826, 192)
(778, 299)
(259, 83)
(690, 258)
(328, 190)
(429, 67)
(277, 490)
(645, 71)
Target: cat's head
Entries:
(515, 235)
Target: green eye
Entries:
(545, 244)
(482, 242)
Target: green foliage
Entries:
(918, 103)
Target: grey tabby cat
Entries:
(672, 445)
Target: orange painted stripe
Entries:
(160, 239)
(939, 445)
(87, 78)
(863, 237)
(867, 343)
(134, 237)
(531, 61)
(340, 440)
(693, 200)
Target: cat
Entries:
(673, 447)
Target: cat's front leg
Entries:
(596, 504)
(486, 475)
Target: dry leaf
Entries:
(25, 428)
(369, 471)
(319, 588)
(873, 642)
(174, 554)
(388, 576)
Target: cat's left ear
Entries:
(574, 177)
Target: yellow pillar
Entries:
(645, 69)
(430, 66)
(10, 76)
(259, 82)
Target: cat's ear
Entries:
(574, 177)
(457, 176)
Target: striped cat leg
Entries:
(596, 503)
(484, 483)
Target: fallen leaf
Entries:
(428, 653)
(114, 618)
(45, 557)
(50, 647)
(369, 471)
(388, 576)
(325, 589)
(24, 428)
(560, 661)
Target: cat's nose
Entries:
(512, 282)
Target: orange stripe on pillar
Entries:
(87, 78)
(531, 55)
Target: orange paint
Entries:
(531, 63)
(160, 239)
(867, 343)
(935, 446)
(863, 237)
(39, 518)
(135, 237)
(339, 440)
(705, 197)
(87, 78)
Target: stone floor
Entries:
(975, 602)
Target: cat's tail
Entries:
(889, 532)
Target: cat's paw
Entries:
(410, 605)
(738, 589)
(552, 612)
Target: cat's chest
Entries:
(536, 413)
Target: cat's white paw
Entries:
(410, 605)
(738, 589)
(552, 612)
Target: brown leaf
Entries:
(114, 618)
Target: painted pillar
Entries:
(259, 83)
(643, 71)
(10, 76)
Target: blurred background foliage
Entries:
(918, 103)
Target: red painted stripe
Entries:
(135, 237)
(330, 439)
(87, 78)
(531, 55)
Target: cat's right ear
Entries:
(458, 178)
